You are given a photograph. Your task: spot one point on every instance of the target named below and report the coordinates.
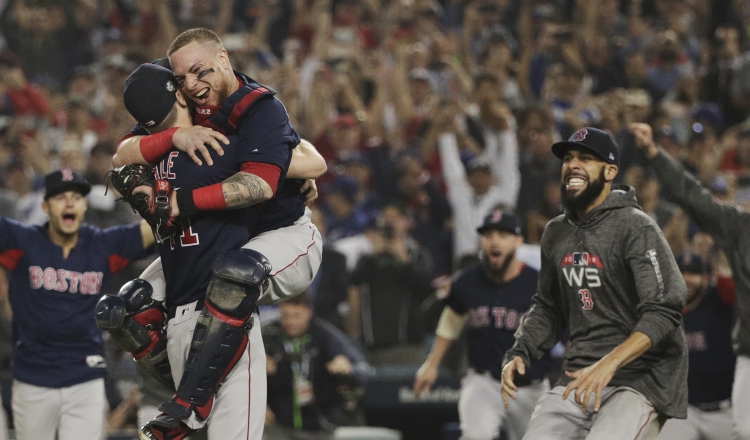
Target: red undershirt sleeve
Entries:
(266, 171)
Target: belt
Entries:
(172, 310)
(713, 406)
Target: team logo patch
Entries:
(149, 123)
(580, 135)
(611, 156)
(67, 174)
(497, 216)
(582, 259)
(170, 86)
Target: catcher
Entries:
(212, 284)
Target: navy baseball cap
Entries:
(64, 180)
(150, 94)
(691, 262)
(345, 185)
(502, 221)
(163, 62)
(598, 141)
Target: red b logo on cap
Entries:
(67, 174)
(580, 135)
(497, 216)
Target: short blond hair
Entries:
(200, 35)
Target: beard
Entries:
(496, 272)
(582, 201)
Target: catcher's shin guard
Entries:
(220, 335)
(136, 323)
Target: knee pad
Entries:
(239, 277)
(220, 335)
(137, 325)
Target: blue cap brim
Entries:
(81, 187)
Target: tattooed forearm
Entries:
(245, 189)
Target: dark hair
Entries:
(201, 35)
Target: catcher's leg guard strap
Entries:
(220, 335)
(136, 324)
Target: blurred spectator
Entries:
(19, 97)
(315, 374)
(386, 289)
(358, 166)
(668, 64)
(647, 191)
(47, 35)
(725, 74)
(538, 167)
(497, 59)
(570, 108)
(329, 287)
(604, 70)
(29, 202)
(341, 140)
(737, 160)
(103, 210)
(343, 217)
(484, 183)
(428, 210)
(636, 72)
(79, 126)
(668, 140)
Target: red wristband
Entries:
(209, 198)
(155, 146)
(266, 171)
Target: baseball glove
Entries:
(155, 210)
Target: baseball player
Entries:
(294, 237)
(728, 225)
(57, 272)
(609, 278)
(708, 322)
(491, 297)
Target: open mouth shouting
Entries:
(68, 219)
(202, 96)
(495, 257)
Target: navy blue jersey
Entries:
(262, 125)
(56, 340)
(711, 360)
(493, 314)
(187, 259)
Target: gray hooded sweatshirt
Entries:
(602, 279)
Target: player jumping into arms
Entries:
(283, 234)
(609, 278)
